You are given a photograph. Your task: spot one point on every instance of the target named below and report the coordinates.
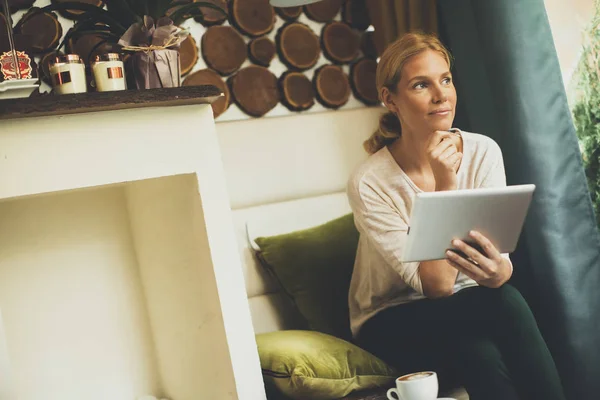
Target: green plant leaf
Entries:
(122, 11)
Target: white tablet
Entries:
(439, 217)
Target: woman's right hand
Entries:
(444, 159)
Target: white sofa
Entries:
(275, 189)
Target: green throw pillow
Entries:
(314, 267)
(313, 365)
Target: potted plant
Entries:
(149, 30)
(586, 112)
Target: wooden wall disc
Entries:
(223, 49)
(289, 13)
(362, 80)
(340, 42)
(188, 55)
(298, 46)
(210, 77)
(297, 92)
(16, 5)
(261, 51)
(355, 13)
(331, 86)
(43, 29)
(254, 90)
(74, 14)
(211, 16)
(323, 11)
(367, 45)
(84, 47)
(252, 17)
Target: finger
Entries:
(473, 254)
(437, 138)
(442, 147)
(454, 160)
(466, 267)
(488, 247)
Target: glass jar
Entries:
(109, 74)
(68, 74)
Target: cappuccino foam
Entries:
(415, 376)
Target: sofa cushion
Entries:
(311, 365)
(314, 267)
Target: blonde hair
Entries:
(388, 75)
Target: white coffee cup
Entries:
(415, 386)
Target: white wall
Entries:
(72, 303)
(283, 158)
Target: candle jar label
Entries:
(61, 78)
(115, 72)
(9, 70)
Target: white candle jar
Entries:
(68, 74)
(109, 74)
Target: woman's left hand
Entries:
(487, 268)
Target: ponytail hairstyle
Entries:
(388, 75)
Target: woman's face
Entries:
(425, 98)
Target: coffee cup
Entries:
(416, 386)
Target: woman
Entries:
(451, 316)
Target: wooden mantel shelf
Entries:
(50, 104)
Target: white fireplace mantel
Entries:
(119, 271)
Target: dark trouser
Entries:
(484, 339)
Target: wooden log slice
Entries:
(331, 86)
(252, 17)
(42, 28)
(297, 92)
(367, 45)
(254, 90)
(323, 11)
(340, 42)
(356, 14)
(188, 55)
(210, 77)
(223, 49)
(261, 51)
(16, 5)
(298, 46)
(289, 13)
(211, 16)
(362, 81)
(87, 47)
(74, 14)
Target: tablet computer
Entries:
(439, 217)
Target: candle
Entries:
(108, 72)
(68, 74)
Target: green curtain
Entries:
(510, 88)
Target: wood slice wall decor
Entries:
(362, 81)
(367, 45)
(340, 42)
(223, 49)
(323, 11)
(331, 86)
(16, 5)
(297, 92)
(261, 51)
(298, 46)
(74, 14)
(86, 46)
(355, 13)
(188, 55)
(289, 13)
(211, 16)
(254, 90)
(42, 29)
(252, 17)
(210, 77)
